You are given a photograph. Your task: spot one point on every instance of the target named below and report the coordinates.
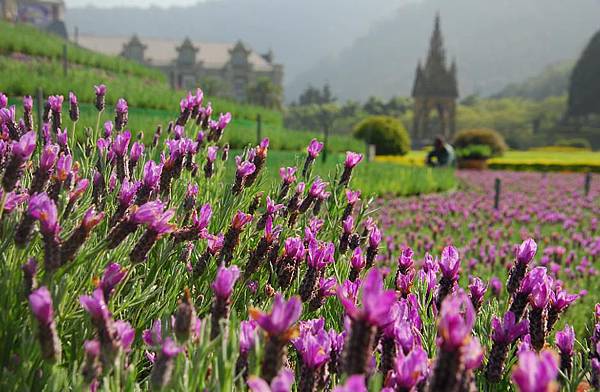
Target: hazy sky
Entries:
(130, 3)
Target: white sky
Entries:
(130, 3)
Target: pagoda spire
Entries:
(436, 58)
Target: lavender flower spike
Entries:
(40, 302)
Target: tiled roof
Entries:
(160, 52)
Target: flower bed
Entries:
(131, 266)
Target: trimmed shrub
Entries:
(577, 142)
(481, 136)
(387, 134)
(474, 151)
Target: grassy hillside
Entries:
(31, 59)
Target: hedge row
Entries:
(593, 167)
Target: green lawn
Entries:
(373, 178)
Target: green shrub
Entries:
(481, 136)
(577, 142)
(474, 151)
(387, 134)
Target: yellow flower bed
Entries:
(538, 160)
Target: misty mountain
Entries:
(494, 43)
(300, 32)
(551, 82)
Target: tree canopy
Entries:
(584, 91)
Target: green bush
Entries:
(474, 151)
(387, 134)
(574, 142)
(481, 136)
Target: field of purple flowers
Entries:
(126, 266)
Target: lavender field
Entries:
(126, 266)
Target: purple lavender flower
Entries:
(279, 326)
(40, 302)
(73, 107)
(374, 241)
(157, 226)
(113, 275)
(124, 335)
(456, 321)
(288, 175)
(226, 278)
(121, 117)
(457, 317)
(314, 148)
(477, 291)
(232, 237)
(244, 169)
(534, 372)
(352, 159)
(137, 149)
(247, 339)
(508, 330)
(358, 263)
(127, 193)
(150, 181)
(526, 251)
(449, 265)
(223, 288)
(108, 129)
(282, 383)
(376, 303)
(100, 91)
(247, 336)
(409, 369)
(95, 306)
(560, 300)
(565, 341)
(524, 254)
(495, 286)
(504, 333)
(160, 375)
(21, 152)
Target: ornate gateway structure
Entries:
(435, 89)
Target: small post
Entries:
(258, 128)
(325, 142)
(39, 106)
(65, 62)
(371, 151)
(497, 186)
(588, 182)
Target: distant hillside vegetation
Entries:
(553, 81)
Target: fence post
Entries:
(258, 128)
(370, 152)
(588, 183)
(65, 62)
(325, 142)
(497, 186)
(39, 105)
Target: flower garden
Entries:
(168, 263)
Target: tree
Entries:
(265, 93)
(374, 106)
(584, 91)
(314, 96)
